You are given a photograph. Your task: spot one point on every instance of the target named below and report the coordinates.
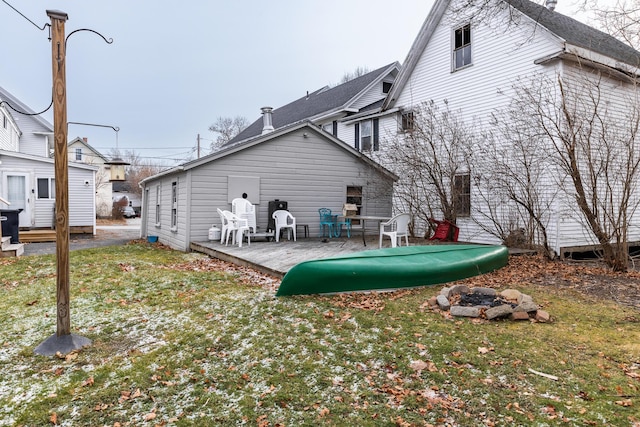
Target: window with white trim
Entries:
(407, 121)
(78, 154)
(158, 195)
(367, 135)
(174, 206)
(462, 47)
(462, 189)
(46, 188)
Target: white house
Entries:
(471, 61)
(332, 107)
(27, 174)
(80, 151)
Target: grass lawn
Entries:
(179, 339)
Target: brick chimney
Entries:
(267, 124)
(551, 4)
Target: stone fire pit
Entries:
(487, 303)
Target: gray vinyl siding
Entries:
(175, 237)
(309, 173)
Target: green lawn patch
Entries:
(179, 339)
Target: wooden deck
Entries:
(277, 258)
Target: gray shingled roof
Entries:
(321, 101)
(577, 33)
(14, 102)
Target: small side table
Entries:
(305, 228)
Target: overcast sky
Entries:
(174, 67)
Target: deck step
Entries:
(12, 250)
(5, 241)
(37, 236)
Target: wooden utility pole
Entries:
(61, 165)
(62, 341)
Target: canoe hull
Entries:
(400, 267)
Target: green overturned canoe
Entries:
(400, 267)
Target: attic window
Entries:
(78, 154)
(4, 121)
(386, 87)
(462, 47)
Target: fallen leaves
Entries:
(126, 395)
(419, 365)
(126, 267)
(485, 350)
(591, 279)
(625, 403)
(88, 382)
(244, 276)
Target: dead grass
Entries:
(179, 339)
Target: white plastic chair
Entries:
(396, 228)
(284, 220)
(246, 210)
(224, 225)
(236, 225)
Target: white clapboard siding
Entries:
(81, 195)
(501, 55)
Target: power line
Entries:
(24, 16)
(145, 148)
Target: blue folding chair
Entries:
(327, 222)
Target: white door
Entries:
(18, 195)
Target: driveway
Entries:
(106, 235)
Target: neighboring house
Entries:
(80, 151)
(28, 182)
(28, 134)
(329, 107)
(472, 63)
(300, 164)
(27, 173)
(121, 191)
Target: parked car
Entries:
(128, 212)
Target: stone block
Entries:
(527, 307)
(499, 311)
(490, 292)
(443, 302)
(512, 295)
(459, 289)
(519, 315)
(461, 311)
(542, 316)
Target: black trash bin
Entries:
(275, 205)
(11, 224)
